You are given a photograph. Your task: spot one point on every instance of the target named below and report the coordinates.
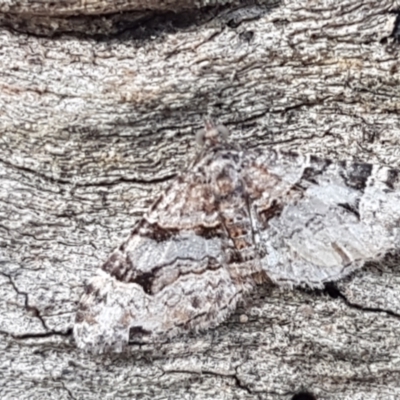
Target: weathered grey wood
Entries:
(95, 7)
(92, 129)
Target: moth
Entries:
(235, 219)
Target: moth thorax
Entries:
(212, 134)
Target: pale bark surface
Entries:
(94, 125)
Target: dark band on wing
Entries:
(356, 175)
(392, 179)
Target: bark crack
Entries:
(233, 375)
(335, 293)
(34, 311)
(67, 390)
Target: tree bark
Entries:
(98, 111)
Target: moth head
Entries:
(212, 134)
